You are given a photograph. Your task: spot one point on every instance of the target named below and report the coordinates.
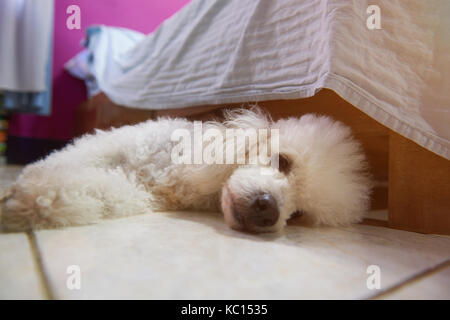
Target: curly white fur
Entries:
(128, 171)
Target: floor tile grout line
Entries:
(43, 279)
(411, 280)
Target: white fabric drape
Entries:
(25, 35)
(216, 52)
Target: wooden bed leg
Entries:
(419, 188)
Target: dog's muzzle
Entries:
(254, 214)
(262, 212)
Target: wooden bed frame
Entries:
(412, 183)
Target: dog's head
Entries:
(316, 170)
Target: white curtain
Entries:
(25, 41)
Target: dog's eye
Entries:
(284, 164)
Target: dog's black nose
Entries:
(263, 211)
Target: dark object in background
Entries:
(22, 151)
(4, 118)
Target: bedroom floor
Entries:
(196, 256)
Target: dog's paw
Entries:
(20, 210)
(16, 212)
(10, 217)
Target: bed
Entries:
(387, 83)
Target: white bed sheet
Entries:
(216, 52)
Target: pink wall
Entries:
(68, 92)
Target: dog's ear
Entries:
(243, 118)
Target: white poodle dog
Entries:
(320, 173)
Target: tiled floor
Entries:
(196, 256)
